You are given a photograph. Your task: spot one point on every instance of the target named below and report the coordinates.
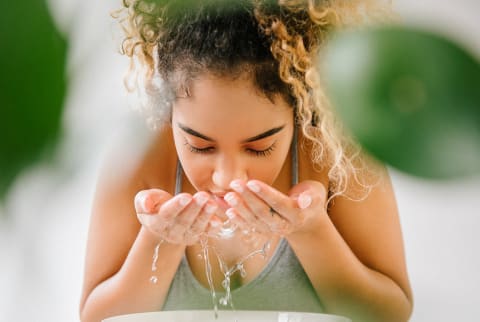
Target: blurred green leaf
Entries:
(32, 85)
(410, 97)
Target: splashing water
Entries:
(228, 272)
(208, 271)
(226, 232)
(154, 278)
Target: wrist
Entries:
(151, 240)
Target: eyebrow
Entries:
(252, 139)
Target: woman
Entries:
(244, 140)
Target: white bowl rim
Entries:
(228, 313)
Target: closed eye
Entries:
(200, 150)
(262, 153)
(211, 149)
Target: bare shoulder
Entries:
(113, 224)
(371, 227)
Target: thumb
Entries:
(309, 193)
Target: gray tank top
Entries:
(283, 285)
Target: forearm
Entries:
(130, 289)
(343, 283)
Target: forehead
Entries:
(236, 102)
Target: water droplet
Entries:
(227, 232)
(223, 301)
(215, 310)
(153, 280)
(155, 256)
(243, 272)
(225, 283)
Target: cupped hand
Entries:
(180, 219)
(259, 207)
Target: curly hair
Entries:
(277, 43)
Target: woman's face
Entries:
(227, 130)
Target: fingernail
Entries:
(210, 209)
(304, 201)
(184, 200)
(230, 214)
(253, 186)
(237, 186)
(201, 199)
(230, 198)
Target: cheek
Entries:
(198, 173)
(267, 169)
(197, 168)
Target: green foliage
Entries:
(32, 85)
(411, 98)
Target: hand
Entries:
(180, 219)
(259, 207)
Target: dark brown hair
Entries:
(276, 43)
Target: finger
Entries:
(282, 204)
(254, 203)
(309, 194)
(171, 208)
(214, 226)
(237, 222)
(202, 221)
(244, 212)
(187, 215)
(148, 201)
(264, 212)
(160, 221)
(277, 223)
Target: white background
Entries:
(43, 237)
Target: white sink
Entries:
(227, 316)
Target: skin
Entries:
(352, 253)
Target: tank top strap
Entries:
(294, 156)
(178, 178)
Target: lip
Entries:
(219, 194)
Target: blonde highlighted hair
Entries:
(290, 39)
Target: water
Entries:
(154, 278)
(239, 266)
(208, 271)
(226, 232)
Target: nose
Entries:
(228, 169)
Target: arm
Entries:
(354, 257)
(119, 250)
(119, 255)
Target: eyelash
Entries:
(257, 153)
